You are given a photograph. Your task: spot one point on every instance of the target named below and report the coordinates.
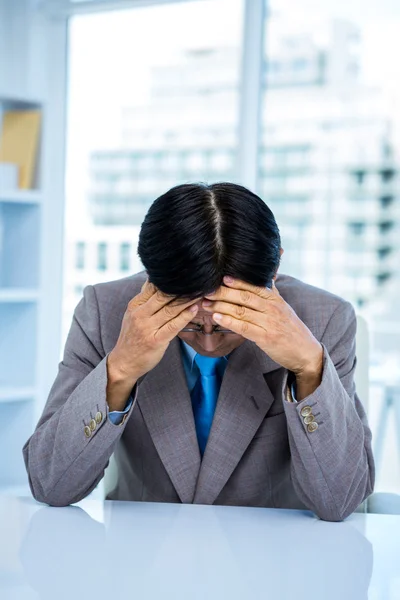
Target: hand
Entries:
(150, 322)
(262, 316)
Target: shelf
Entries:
(21, 196)
(15, 103)
(16, 394)
(18, 295)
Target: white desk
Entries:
(143, 551)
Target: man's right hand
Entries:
(151, 320)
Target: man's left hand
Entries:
(262, 316)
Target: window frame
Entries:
(251, 69)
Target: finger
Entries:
(171, 328)
(145, 285)
(240, 312)
(249, 330)
(238, 297)
(151, 300)
(170, 311)
(262, 292)
(148, 289)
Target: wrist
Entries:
(310, 377)
(119, 385)
(312, 368)
(116, 374)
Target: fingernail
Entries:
(193, 308)
(228, 279)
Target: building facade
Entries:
(328, 163)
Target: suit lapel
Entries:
(166, 406)
(243, 402)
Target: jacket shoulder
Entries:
(313, 305)
(118, 293)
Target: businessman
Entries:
(212, 378)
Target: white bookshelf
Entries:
(17, 394)
(20, 251)
(33, 76)
(21, 196)
(18, 295)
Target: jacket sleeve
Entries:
(65, 458)
(332, 466)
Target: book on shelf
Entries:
(19, 143)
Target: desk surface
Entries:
(113, 550)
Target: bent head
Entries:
(193, 235)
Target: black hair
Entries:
(196, 233)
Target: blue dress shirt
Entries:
(192, 373)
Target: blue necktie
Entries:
(204, 397)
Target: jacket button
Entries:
(309, 419)
(305, 411)
(99, 417)
(312, 426)
(87, 431)
(92, 424)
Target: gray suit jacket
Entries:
(260, 451)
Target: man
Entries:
(261, 412)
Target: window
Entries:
(386, 226)
(125, 250)
(387, 174)
(357, 228)
(328, 89)
(386, 200)
(300, 64)
(384, 252)
(131, 138)
(102, 256)
(383, 277)
(80, 255)
(360, 176)
(328, 151)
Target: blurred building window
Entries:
(78, 290)
(102, 256)
(125, 250)
(173, 119)
(386, 200)
(80, 255)
(383, 252)
(387, 174)
(357, 228)
(330, 132)
(386, 226)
